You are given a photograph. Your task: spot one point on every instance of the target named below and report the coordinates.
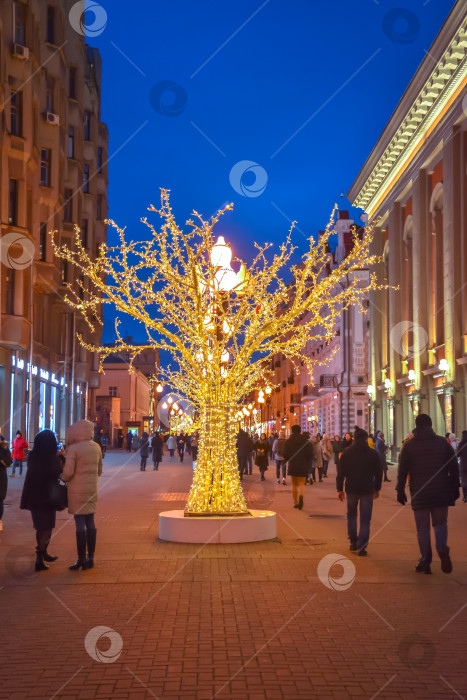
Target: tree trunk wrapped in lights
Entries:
(221, 327)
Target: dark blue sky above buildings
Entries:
(301, 88)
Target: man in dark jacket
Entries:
(244, 450)
(298, 453)
(431, 465)
(360, 468)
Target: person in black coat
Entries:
(244, 450)
(5, 462)
(44, 469)
(360, 470)
(261, 447)
(156, 445)
(298, 453)
(181, 446)
(431, 465)
(462, 457)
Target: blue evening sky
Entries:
(301, 88)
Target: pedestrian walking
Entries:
(143, 444)
(346, 442)
(157, 448)
(462, 458)
(194, 448)
(104, 443)
(278, 454)
(430, 463)
(317, 458)
(44, 469)
(17, 453)
(181, 446)
(298, 453)
(336, 449)
(326, 449)
(171, 445)
(188, 444)
(129, 440)
(381, 448)
(262, 451)
(244, 450)
(5, 462)
(83, 466)
(135, 442)
(453, 441)
(359, 477)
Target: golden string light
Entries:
(221, 327)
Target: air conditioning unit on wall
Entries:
(52, 118)
(20, 51)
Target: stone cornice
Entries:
(433, 89)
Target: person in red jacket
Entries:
(17, 453)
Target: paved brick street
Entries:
(250, 621)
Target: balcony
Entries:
(327, 382)
(15, 332)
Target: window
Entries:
(72, 84)
(113, 391)
(45, 167)
(42, 241)
(86, 178)
(68, 205)
(87, 126)
(84, 233)
(99, 207)
(13, 203)
(10, 291)
(64, 271)
(71, 142)
(16, 113)
(100, 154)
(49, 95)
(50, 38)
(20, 23)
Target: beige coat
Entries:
(83, 466)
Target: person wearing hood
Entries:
(43, 473)
(431, 465)
(171, 444)
(19, 445)
(360, 470)
(83, 466)
(143, 445)
(5, 462)
(462, 457)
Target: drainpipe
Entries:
(72, 407)
(30, 435)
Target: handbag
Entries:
(58, 496)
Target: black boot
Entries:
(91, 540)
(49, 557)
(464, 491)
(81, 547)
(42, 539)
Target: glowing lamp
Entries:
(411, 375)
(164, 405)
(443, 365)
(159, 388)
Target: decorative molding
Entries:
(411, 130)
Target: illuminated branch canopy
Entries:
(220, 325)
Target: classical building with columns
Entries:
(414, 183)
(334, 399)
(53, 175)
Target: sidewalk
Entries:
(241, 622)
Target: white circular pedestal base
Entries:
(254, 526)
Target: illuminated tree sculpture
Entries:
(221, 327)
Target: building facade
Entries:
(123, 400)
(415, 183)
(334, 399)
(53, 175)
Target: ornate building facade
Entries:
(415, 182)
(334, 399)
(53, 175)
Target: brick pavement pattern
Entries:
(234, 622)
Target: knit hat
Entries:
(423, 420)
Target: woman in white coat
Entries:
(83, 466)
